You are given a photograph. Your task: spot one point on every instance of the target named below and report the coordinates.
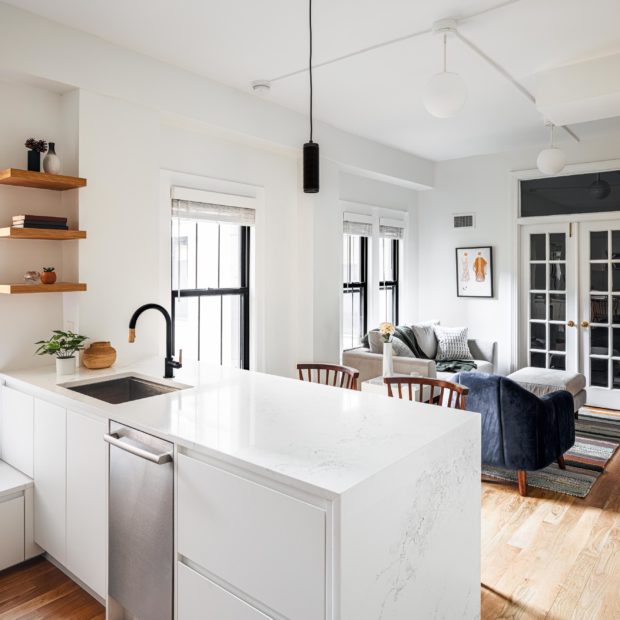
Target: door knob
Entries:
(585, 324)
(570, 323)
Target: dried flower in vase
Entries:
(38, 146)
(387, 331)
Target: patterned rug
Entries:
(597, 437)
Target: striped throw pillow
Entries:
(452, 343)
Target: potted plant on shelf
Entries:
(63, 346)
(35, 148)
(48, 276)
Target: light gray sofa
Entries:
(370, 364)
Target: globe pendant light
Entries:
(551, 160)
(446, 92)
(311, 149)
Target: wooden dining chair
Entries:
(432, 391)
(329, 374)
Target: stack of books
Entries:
(40, 221)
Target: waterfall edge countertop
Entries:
(316, 437)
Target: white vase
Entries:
(388, 363)
(65, 366)
(51, 161)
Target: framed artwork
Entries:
(474, 272)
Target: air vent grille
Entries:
(464, 220)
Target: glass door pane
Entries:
(546, 311)
(600, 249)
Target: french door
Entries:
(570, 303)
(600, 311)
(549, 302)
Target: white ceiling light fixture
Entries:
(446, 92)
(553, 159)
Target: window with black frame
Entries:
(211, 283)
(355, 287)
(389, 258)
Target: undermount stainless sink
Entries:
(123, 389)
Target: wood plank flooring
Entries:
(549, 555)
(37, 590)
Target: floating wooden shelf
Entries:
(39, 180)
(41, 233)
(58, 287)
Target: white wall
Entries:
(484, 186)
(26, 111)
(221, 135)
(119, 155)
(194, 158)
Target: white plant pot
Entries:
(65, 366)
(388, 362)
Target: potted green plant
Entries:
(63, 346)
(48, 276)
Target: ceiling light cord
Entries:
(445, 52)
(551, 144)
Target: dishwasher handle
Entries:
(159, 459)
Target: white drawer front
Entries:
(17, 430)
(265, 543)
(199, 598)
(12, 528)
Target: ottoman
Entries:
(541, 381)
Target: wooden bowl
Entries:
(99, 355)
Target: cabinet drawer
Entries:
(199, 598)
(50, 478)
(17, 429)
(12, 528)
(265, 543)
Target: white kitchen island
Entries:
(299, 501)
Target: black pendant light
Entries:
(311, 149)
(600, 188)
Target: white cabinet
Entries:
(50, 454)
(200, 598)
(16, 430)
(87, 506)
(267, 544)
(12, 528)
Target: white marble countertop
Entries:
(319, 438)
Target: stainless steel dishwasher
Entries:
(140, 546)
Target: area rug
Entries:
(597, 438)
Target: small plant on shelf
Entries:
(35, 148)
(48, 276)
(63, 346)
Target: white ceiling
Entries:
(377, 94)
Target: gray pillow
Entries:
(425, 337)
(399, 348)
(452, 343)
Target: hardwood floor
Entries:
(37, 590)
(549, 555)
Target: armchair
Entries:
(520, 431)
